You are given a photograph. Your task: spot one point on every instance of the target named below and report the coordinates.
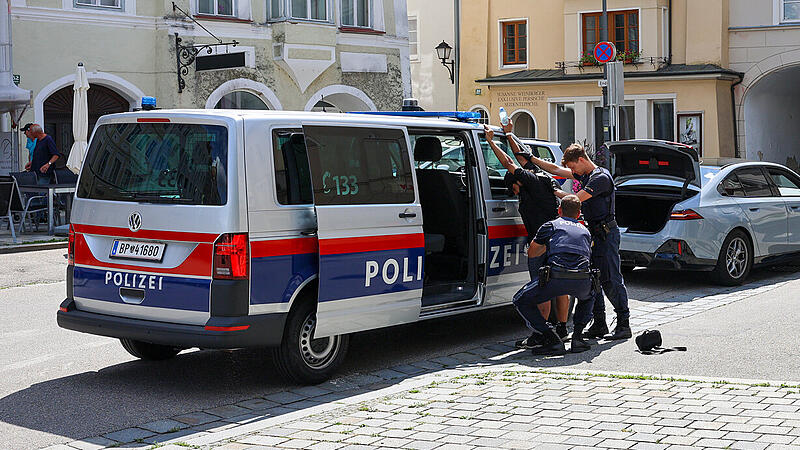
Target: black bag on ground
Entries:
(649, 343)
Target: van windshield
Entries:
(157, 163)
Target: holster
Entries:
(600, 230)
(596, 285)
(544, 275)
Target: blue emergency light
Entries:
(458, 115)
(148, 103)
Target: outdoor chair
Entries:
(65, 176)
(33, 204)
(10, 203)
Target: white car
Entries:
(675, 213)
(548, 151)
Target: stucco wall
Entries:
(430, 80)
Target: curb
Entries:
(21, 248)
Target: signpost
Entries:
(605, 52)
(613, 85)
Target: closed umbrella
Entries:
(80, 120)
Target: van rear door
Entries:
(371, 243)
(151, 201)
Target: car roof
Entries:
(311, 116)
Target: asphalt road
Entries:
(57, 385)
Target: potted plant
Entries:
(588, 59)
(629, 56)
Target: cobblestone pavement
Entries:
(492, 397)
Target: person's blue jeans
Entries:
(42, 179)
(531, 295)
(605, 257)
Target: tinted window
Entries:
(754, 182)
(788, 184)
(543, 153)
(356, 166)
(157, 163)
(731, 186)
(292, 177)
(494, 168)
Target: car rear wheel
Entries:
(148, 351)
(302, 358)
(735, 259)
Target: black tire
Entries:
(148, 351)
(303, 360)
(735, 259)
(625, 268)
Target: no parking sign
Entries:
(605, 52)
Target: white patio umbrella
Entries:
(80, 120)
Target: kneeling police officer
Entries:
(568, 248)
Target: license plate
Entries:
(148, 251)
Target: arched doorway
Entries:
(58, 112)
(324, 106)
(524, 125)
(341, 97)
(771, 113)
(240, 100)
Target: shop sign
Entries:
(521, 99)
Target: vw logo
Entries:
(135, 221)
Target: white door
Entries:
(369, 225)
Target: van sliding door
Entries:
(369, 220)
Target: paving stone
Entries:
(164, 426)
(262, 440)
(196, 418)
(91, 443)
(128, 434)
(284, 398)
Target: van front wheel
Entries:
(148, 351)
(302, 358)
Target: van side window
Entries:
(292, 177)
(356, 166)
(452, 157)
(494, 168)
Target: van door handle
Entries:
(407, 215)
(795, 207)
(309, 233)
(754, 209)
(499, 209)
(133, 296)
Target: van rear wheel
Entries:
(302, 358)
(148, 351)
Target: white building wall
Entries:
(430, 81)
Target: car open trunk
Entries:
(646, 209)
(651, 177)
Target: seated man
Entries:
(568, 246)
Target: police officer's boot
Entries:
(623, 330)
(598, 328)
(552, 345)
(578, 345)
(561, 330)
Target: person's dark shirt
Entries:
(537, 202)
(44, 150)
(600, 185)
(572, 232)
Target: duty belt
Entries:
(602, 228)
(547, 273)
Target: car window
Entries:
(452, 153)
(543, 152)
(292, 178)
(731, 187)
(787, 183)
(495, 169)
(754, 182)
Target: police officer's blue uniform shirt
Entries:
(600, 185)
(569, 244)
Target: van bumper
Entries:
(263, 330)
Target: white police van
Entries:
(289, 230)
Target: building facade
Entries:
(429, 24)
(535, 59)
(765, 46)
(332, 55)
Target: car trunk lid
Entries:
(655, 160)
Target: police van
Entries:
(226, 229)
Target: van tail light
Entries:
(686, 214)
(71, 246)
(231, 256)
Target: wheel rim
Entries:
(317, 353)
(736, 257)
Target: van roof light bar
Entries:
(463, 116)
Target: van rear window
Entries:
(157, 163)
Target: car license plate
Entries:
(148, 251)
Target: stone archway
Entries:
(524, 123)
(767, 110)
(344, 98)
(57, 110)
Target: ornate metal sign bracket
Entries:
(185, 55)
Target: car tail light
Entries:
(71, 246)
(231, 255)
(686, 214)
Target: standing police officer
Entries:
(598, 197)
(537, 205)
(568, 248)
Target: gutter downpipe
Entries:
(736, 148)
(669, 18)
(457, 38)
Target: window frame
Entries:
(370, 9)
(782, 11)
(78, 4)
(233, 14)
(413, 56)
(611, 29)
(504, 62)
(484, 120)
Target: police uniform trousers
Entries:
(605, 257)
(531, 295)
